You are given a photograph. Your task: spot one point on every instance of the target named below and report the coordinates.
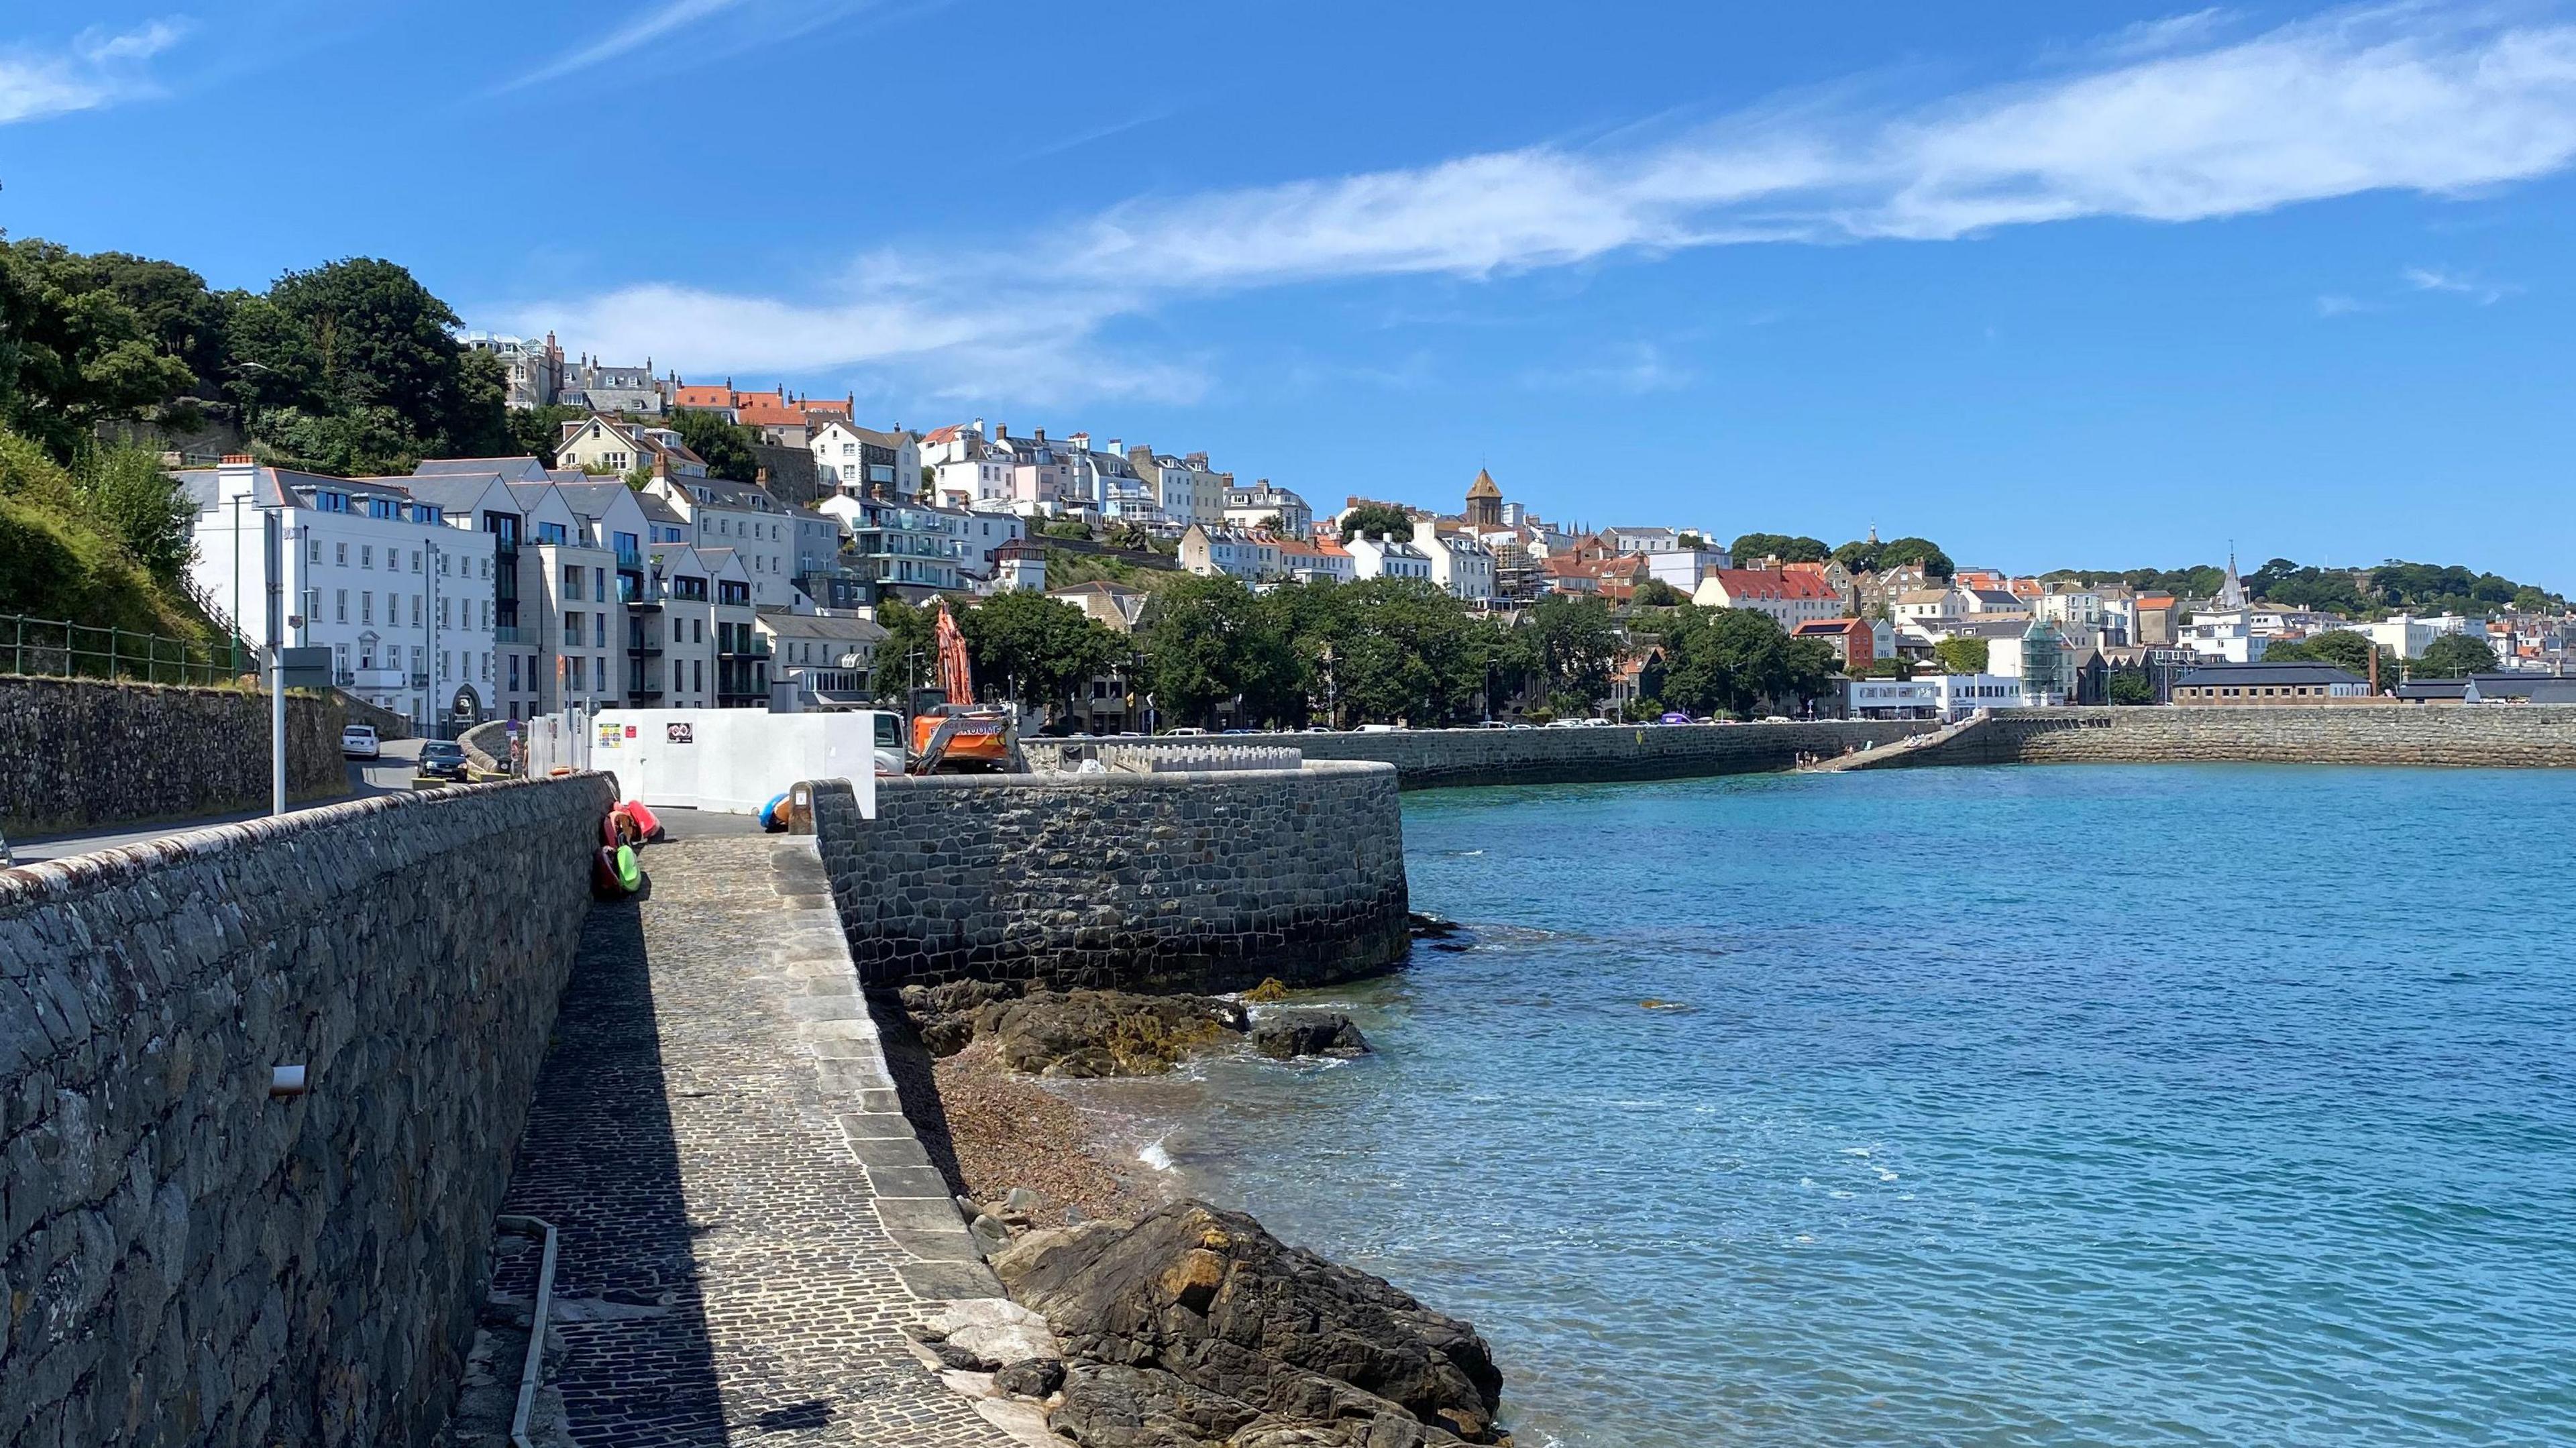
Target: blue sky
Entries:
(2057, 284)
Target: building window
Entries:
(572, 581)
(366, 606)
(344, 606)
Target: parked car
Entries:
(1316, 729)
(1377, 729)
(442, 758)
(1596, 722)
(1494, 724)
(1677, 719)
(358, 741)
(1525, 726)
(1775, 718)
(1185, 733)
(1564, 723)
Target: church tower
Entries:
(1484, 502)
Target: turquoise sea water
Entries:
(2148, 1105)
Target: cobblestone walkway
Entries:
(747, 1219)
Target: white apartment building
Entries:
(1386, 558)
(1459, 563)
(721, 513)
(402, 600)
(1255, 506)
(1684, 568)
(698, 632)
(2408, 635)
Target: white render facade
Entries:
(402, 600)
(1459, 563)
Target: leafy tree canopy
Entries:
(1861, 556)
(1962, 655)
(1378, 520)
(1656, 593)
(2453, 656)
(725, 447)
(1787, 548)
(2342, 648)
(1035, 648)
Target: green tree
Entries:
(1656, 593)
(1406, 650)
(1378, 519)
(533, 430)
(1962, 655)
(2130, 686)
(1564, 650)
(1035, 648)
(80, 353)
(2342, 648)
(362, 338)
(142, 506)
(1204, 647)
(908, 656)
(2453, 656)
(1789, 548)
(1734, 658)
(724, 446)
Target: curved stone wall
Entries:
(191, 1260)
(1440, 758)
(1163, 881)
(2487, 735)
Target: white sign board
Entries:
(733, 760)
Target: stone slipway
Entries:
(747, 1217)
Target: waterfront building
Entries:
(2408, 635)
(831, 657)
(402, 598)
(2255, 685)
(1891, 699)
(1853, 640)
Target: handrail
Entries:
(534, 1366)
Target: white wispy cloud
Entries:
(2406, 98)
(744, 22)
(2336, 304)
(99, 68)
(1636, 368)
(2440, 279)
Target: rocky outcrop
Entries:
(1194, 1327)
(1290, 1034)
(1071, 1033)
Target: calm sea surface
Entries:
(2217, 1105)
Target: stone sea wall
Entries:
(1161, 881)
(190, 1259)
(2501, 736)
(77, 753)
(1439, 758)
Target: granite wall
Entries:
(1203, 881)
(2501, 735)
(191, 1260)
(1437, 758)
(77, 753)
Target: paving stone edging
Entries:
(835, 1028)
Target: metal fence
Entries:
(63, 649)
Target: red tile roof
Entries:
(1773, 583)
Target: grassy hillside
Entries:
(59, 559)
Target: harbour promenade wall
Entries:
(191, 1259)
(78, 753)
(2500, 736)
(1441, 758)
(1162, 881)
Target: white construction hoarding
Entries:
(736, 760)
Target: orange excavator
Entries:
(959, 736)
